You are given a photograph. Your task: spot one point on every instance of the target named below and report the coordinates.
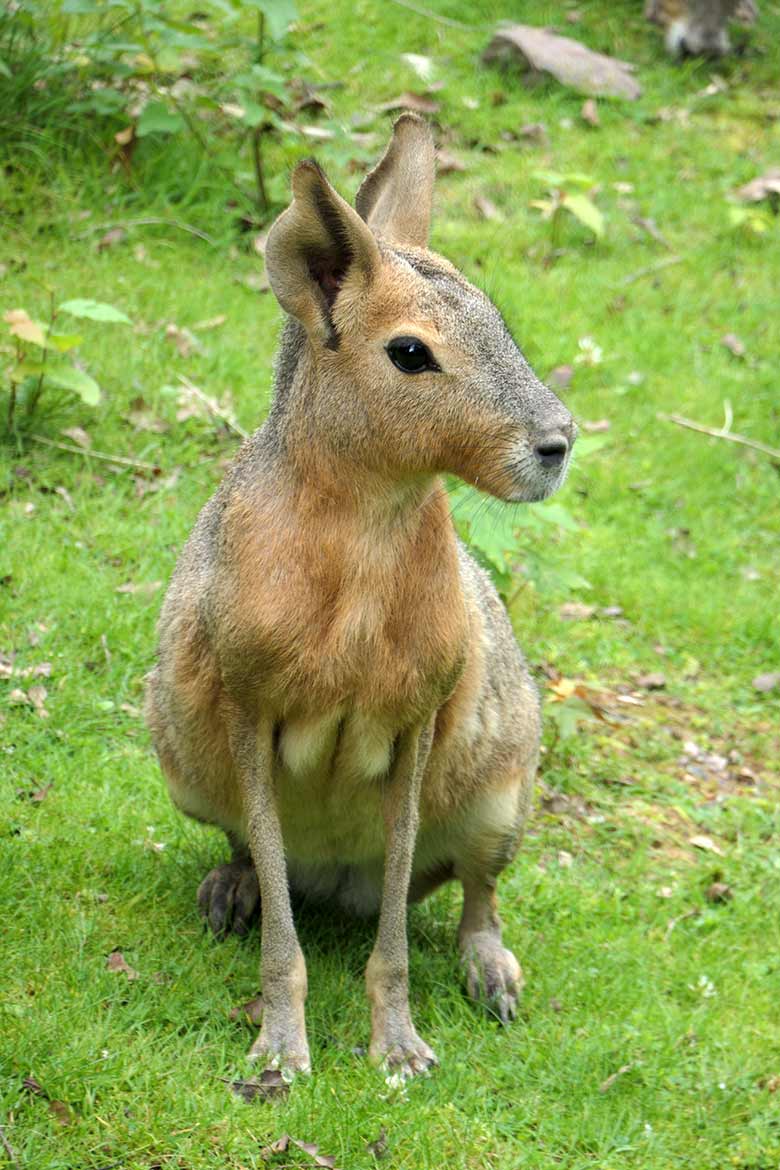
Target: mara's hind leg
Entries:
(494, 977)
(229, 895)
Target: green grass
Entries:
(627, 962)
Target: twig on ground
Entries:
(426, 12)
(214, 408)
(121, 460)
(694, 913)
(723, 432)
(649, 269)
(606, 1085)
(9, 1149)
(149, 221)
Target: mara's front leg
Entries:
(394, 1040)
(282, 1041)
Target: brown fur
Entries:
(338, 686)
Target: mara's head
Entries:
(410, 369)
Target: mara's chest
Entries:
(323, 619)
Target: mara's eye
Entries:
(410, 355)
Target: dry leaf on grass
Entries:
(486, 208)
(117, 963)
(186, 343)
(701, 841)
(420, 103)
(267, 1087)
(764, 187)
(378, 1147)
(447, 163)
(589, 113)
(252, 1011)
(766, 682)
(606, 1085)
(655, 681)
(719, 892)
(568, 61)
(560, 377)
(598, 426)
(78, 436)
(112, 237)
(576, 611)
(36, 796)
(146, 588)
(733, 344)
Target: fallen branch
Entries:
(12, 1158)
(650, 269)
(722, 432)
(150, 221)
(214, 408)
(426, 12)
(121, 460)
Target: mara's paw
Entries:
(494, 977)
(403, 1057)
(288, 1054)
(229, 898)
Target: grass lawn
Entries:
(644, 903)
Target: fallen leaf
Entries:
(733, 344)
(255, 281)
(117, 963)
(576, 611)
(764, 187)
(533, 132)
(589, 113)
(485, 208)
(268, 1086)
(183, 339)
(771, 1084)
(565, 859)
(61, 1112)
(560, 377)
(252, 1011)
(447, 163)
(568, 61)
(612, 611)
(719, 892)
(606, 1085)
(597, 427)
(647, 224)
(78, 436)
(280, 1146)
(422, 66)
(22, 326)
(221, 318)
(766, 682)
(112, 237)
(124, 137)
(36, 796)
(34, 1087)
(147, 588)
(418, 102)
(378, 1147)
(141, 418)
(700, 841)
(654, 681)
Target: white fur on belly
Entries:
(354, 745)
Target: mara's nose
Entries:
(551, 449)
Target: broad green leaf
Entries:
(558, 515)
(254, 114)
(4, 70)
(586, 211)
(570, 179)
(94, 310)
(23, 370)
(69, 378)
(156, 118)
(81, 7)
(62, 342)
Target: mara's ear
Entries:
(395, 198)
(314, 247)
